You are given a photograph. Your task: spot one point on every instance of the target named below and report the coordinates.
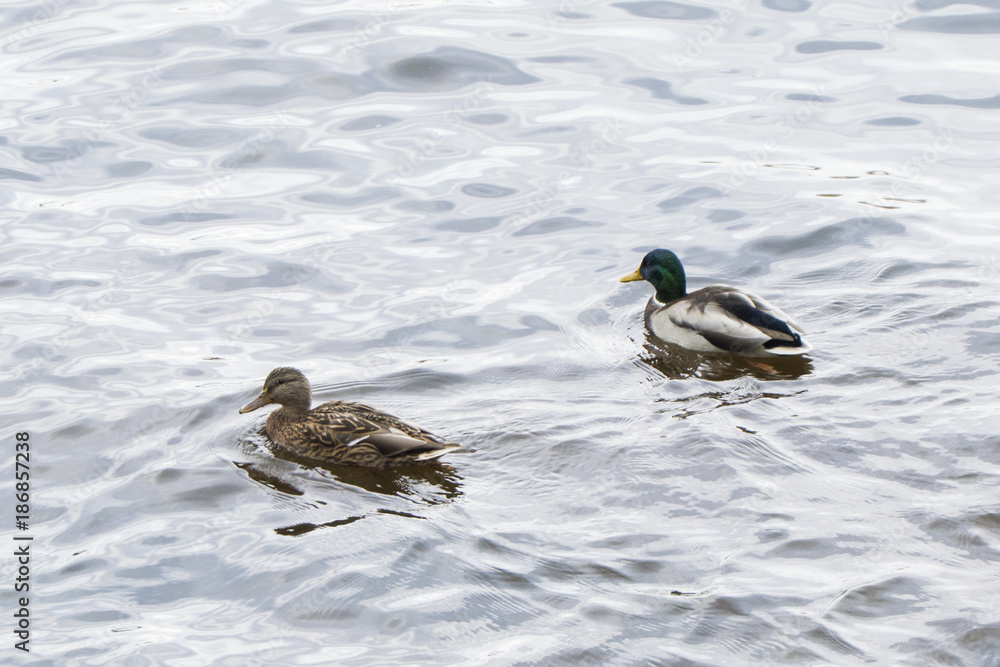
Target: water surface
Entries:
(427, 207)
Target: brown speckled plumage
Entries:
(340, 432)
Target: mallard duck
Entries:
(713, 319)
(338, 431)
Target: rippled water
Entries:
(427, 206)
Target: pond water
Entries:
(427, 207)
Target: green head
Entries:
(664, 272)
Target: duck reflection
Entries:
(425, 484)
(303, 528)
(676, 362)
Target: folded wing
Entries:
(354, 424)
(738, 322)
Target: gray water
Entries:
(427, 207)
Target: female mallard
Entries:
(340, 432)
(713, 319)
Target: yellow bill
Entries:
(631, 278)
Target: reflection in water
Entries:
(737, 377)
(307, 527)
(267, 478)
(702, 403)
(676, 363)
(434, 483)
(401, 481)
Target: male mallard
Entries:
(338, 431)
(713, 319)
